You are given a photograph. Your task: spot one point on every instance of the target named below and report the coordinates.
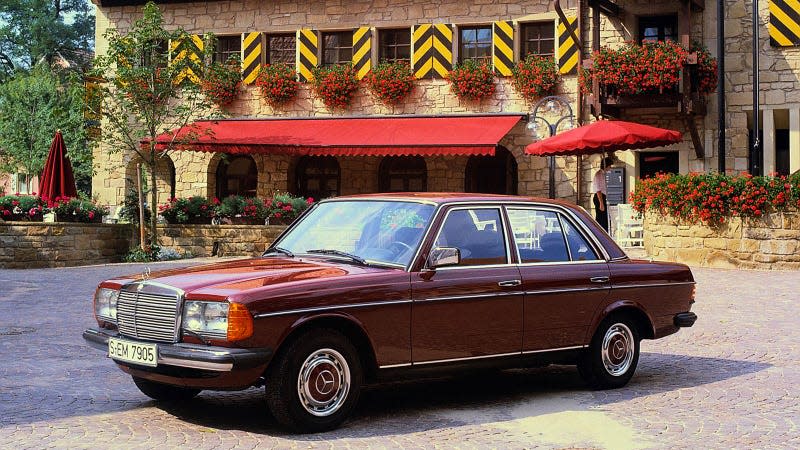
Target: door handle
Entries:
(509, 283)
(599, 279)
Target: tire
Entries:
(164, 392)
(613, 354)
(314, 384)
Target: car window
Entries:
(538, 235)
(579, 249)
(477, 233)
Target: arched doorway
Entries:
(492, 174)
(403, 174)
(317, 177)
(237, 175)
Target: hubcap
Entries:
(323, 382)
(617, 350)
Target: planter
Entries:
(39, 217)
(245, 221)
(279, 221)
(74, 219)
(193, 221)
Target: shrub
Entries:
(187, 210)
(535, 77)
(390, 82)
(277, 83)
(286, 207)
(77, 210)
(136, 254)
(21, 207)
(130, 209)
(238, 206)
(335, 85)
(472, 81)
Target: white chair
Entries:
(629, 231)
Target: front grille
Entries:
(148, 315)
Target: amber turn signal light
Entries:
(240, 322)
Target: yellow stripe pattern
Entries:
(784, 23)
(503, 47)
(432, 50)
(567, 47)
(362, 51)
(307, 50)
(188, 53)
(252, 51)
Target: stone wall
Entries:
(771, 242)
(25, 245)
(233, 240)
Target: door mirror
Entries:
(444, 256)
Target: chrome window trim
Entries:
(560, 291)
(329, 308)
(633, 286)
(559, 263)
(468, 297)
(501, 223)
(469, 358)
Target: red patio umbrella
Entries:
(57, 179)
(604, 136)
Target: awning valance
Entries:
(355, 136)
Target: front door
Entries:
(474, 309)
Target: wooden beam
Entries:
(697, 143)
(607, 7)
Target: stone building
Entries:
(281, 25)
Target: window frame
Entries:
(381, 32)
(221, 190)
(503, 221)
(523, 41)
(218, 53)
(460, 45)
(323, 49)
(266, 56)
(659, 21)
(390, 162)
(301, 175)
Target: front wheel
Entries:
(314, 384)
(164, 392)
(611, 358)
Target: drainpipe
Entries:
(756, 126)
(721, 85)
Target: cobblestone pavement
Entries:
(728, 382)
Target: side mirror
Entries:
(443, 256)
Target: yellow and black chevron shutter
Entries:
(503, 51)
(189, 53)
(252, 49)
(784, 23)
(307, 50)
(567, 48)
(432, 50)
(362, 51)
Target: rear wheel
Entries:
(611, 358)
(315, 383)
(164, 392)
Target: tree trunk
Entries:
(153, 200)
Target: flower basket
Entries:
(25, 208)
(335, 85)
(246, 221)
(76, 210)
(472, 81)
(240, 210)
(222, 81)
(193, 211)
(284, 208)
(535, 77)
(277, 83)
(390, 82)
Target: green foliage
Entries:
(285, 207)
(238, 206)
(21, 207)
(35, 30)
(136, 254)
(77, 210)
(32, 107)
(130, 208)
(187, 210)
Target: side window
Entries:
(578, 247)
(477, 233)
(538, 236)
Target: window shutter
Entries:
(567, 48)
(784, 23)
(252, 51)
(503, 47)
(362, 51)
(189, 53)
(307, 51)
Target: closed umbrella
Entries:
(57, 179)
(604, 136)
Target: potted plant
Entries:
(18, 207)
(535, 77)
(335, 85)
(390, 82)
(283, 208)
(77, 210)
(222, 81)
(239, 210)
(472, 81)
(192, 210)
(277, 83)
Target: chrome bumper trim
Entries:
(215, 359)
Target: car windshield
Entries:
(371, 231)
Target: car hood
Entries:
(229, 278)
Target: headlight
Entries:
(217, 320)
(105, 304)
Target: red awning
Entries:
(355, 136)
(603, 136)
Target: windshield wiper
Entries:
(325, 251)
(278, 250)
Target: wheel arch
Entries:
(642, 320)
(347, 325)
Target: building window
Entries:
(337, 48)
(318, 176)
(475, 43)
(658, 28)
(403, 174)
(157, 55)
(782, 152)
(237, 176)
(395, 45)
(538, 39)
(281, 49)
(24, 183)
(492, 174)
(226, 47)
(652, 163)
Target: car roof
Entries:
(454, 197)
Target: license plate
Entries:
(133, 352)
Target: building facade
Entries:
(283, 27)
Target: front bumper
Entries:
(684, 319)
(193, 356)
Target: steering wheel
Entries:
(399, 247)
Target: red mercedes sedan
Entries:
(364, 288)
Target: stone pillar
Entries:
(794, 140)
(769, 141)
